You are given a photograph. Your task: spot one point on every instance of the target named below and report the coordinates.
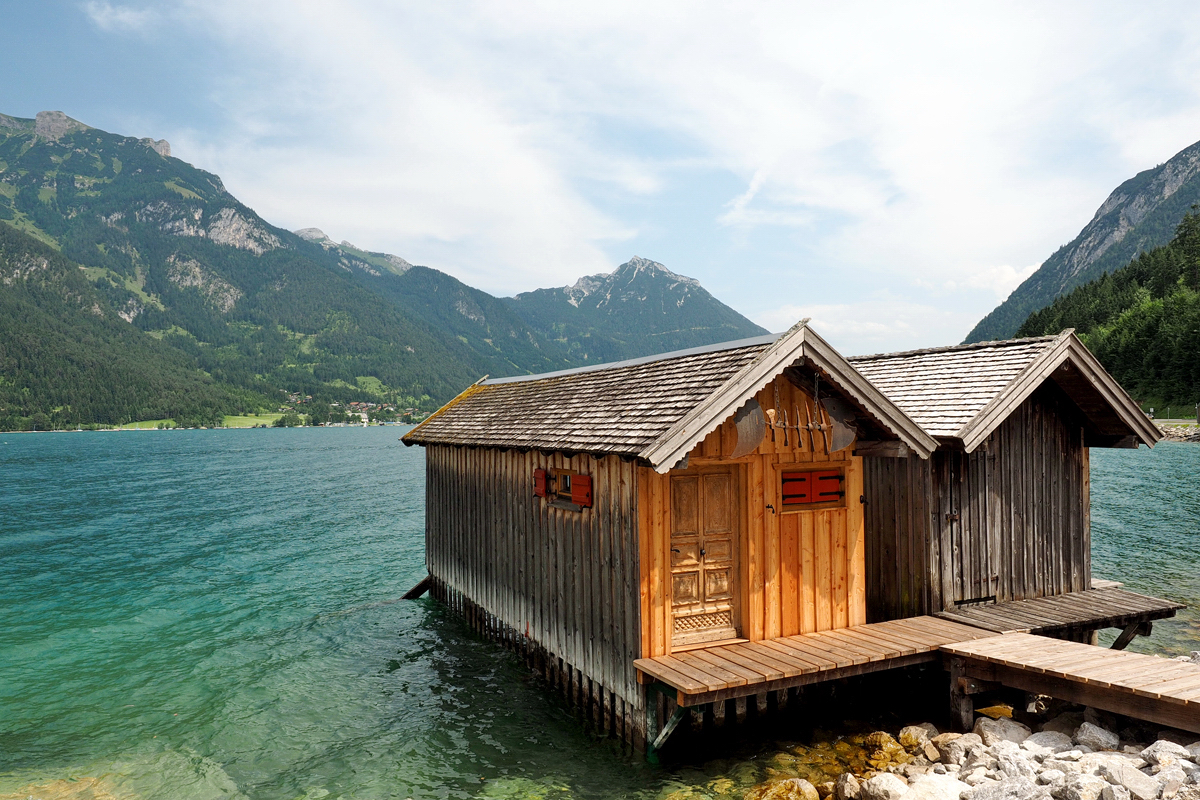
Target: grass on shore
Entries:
(231, 421)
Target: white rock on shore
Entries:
(1074, 757)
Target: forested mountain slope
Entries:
(1142, 321)
(640, 309)
(1139, 215)
(67, 359)
(254, 311)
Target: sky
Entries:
(891, 170)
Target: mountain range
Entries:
(1140, 215)
(196, 306)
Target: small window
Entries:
(564, 488)
(800, 489)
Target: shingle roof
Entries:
(945, 388)
(655, 408)
(617, 408)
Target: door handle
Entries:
(701, 551)
(675, 550)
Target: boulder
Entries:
(1095, 737)
(936, 787)
(980, 756)
(1081, 787)
(1139, 784)
(1049, 777)
(1064, 723)
(1114, 793)
(995, 730)
(1045, 743)
(847, 787)
(884, 786)
(1009, 789)
(790, 789)
(1194, 749)
(914, 737)
(952, 747)
(1012, 761)
(1165, 753)
(974, 777)
(1169, 781)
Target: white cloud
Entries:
(907, 148)
(109, 17)
(1000, 280)
(878, 325)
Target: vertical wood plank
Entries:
(823, 536)
(789, 531)
(755, 555)
(808, 572)
(839, 522)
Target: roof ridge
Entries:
(956, 347)
(736, 344)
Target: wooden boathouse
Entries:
(1001, 511)
(693, 529)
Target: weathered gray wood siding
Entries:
(564, 584)
(1006, 522)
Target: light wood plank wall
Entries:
(561, 582)
(800, 572)
(1022, 505)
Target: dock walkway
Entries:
(737, 670)
(1158, 690)
(1104, 606)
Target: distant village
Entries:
(301, 410)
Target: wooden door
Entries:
(704, 523)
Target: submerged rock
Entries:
(789, 789)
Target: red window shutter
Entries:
(797, 488)
(539, 482)
(826, 486)
(581, 490)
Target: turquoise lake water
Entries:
(203, 614)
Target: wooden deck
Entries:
(1106, 607)
(1159, 690)
(737, 670)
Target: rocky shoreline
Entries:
(1180, 433)
(1078, 755)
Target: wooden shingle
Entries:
(944, 388)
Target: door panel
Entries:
(703, 560)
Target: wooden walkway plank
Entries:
(769, 672)
(708, 681)
(807, 649)
(716, 669)
(1159, 690)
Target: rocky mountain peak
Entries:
(638, 265)
(624, 275)
(313, 235)
(1137, 216)
(55, 124)
(160, 146)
